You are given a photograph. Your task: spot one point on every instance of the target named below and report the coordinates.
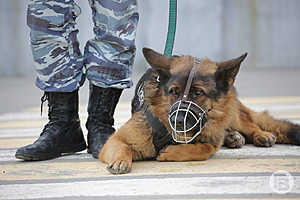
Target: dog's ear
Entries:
(227, 71)
(158, 62)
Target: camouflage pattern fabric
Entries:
(108, 57)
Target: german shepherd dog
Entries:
(189, 106)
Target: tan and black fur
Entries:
(212, 88)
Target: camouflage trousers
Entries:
(108, 57)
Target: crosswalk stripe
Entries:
(40, 123)
(289, 105)
(15, 142)
(19, 132)
(31, 123)
(85, 166)
(141, 176)
(145, 187)
(36, 116)
(125, 113)
(270, 100)
(33, 132)
(255, 196)
(274, 108)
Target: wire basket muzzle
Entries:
(186, 120)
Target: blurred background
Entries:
(218, 29)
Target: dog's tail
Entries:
(286, 132)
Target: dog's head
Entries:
(211, 84)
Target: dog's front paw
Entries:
(264, 139)
(234, 140)
(119, 167)
(168, 153)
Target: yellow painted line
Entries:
(64, 170)
(270, 100)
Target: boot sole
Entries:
(40, 157)
(95, 155)
(28, 157)
(75, 148)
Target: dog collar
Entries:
(161, 136)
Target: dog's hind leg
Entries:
(285, 131)
(247, 125)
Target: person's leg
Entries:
(53, 36)
(108, 59)
(58, 63)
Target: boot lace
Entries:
(44, 98)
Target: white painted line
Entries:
(152, 186)
(20, 132)
(36, 116)
(275, 108)
(8, 155)
(250, 151)
(125, 113)
(270, 100)
(295, 121)
(123, 110)
(35, 132)
(22, 116)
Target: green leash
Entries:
(138, 102)
(172, 28)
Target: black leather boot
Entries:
(101, 108)
(62, 134)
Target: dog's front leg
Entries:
(117, 154)
(187, 152)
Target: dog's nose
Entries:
(183, 121)
(179, 125)
(178, 121)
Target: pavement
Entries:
(246, 173)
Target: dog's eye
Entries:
(197, 93)
(173, 91)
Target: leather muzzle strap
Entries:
(189, 82)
